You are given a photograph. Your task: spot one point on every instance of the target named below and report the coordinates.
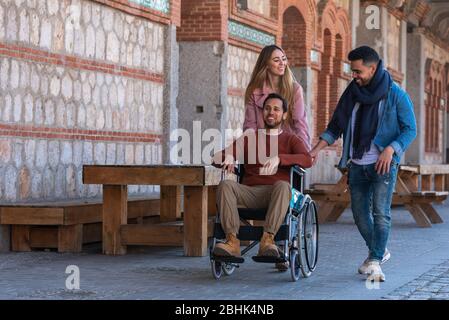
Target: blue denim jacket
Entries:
(396, 128)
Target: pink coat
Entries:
(254, 113)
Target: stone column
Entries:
(202, 90)
(416, 62)
(403, 57)
(355, 20)
(304, 76)
(376, 38)
(170, 111)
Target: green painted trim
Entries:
(250, 34)
(159, 5)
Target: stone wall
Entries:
(240, 66)
(80, 83)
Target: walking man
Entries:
(376, 118)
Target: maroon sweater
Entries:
(291, 151)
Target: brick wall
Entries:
(294, 38)
(203, 20)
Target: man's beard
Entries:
(275, 125)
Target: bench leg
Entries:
(426, 181)
(20, 236)
(431, 213)
(337, 211)
(70, 238)
(115, 213)
(325, 208)
(195, 221)
(5, 238)
(438, 181)
(419, 216)
(170, 203)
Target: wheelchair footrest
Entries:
(265, 259)
(228, 259)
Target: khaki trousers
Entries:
(231, 195)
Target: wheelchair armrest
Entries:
(296, 177)
(298, 170)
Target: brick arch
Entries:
(307, 10)
(327, 17)
(438, 22)
(434, 71)
(436, 81)
(344, 30)
(293, 40)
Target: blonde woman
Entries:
(272, 75)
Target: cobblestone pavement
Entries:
(432, 285)
(418, 269)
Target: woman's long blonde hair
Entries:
(260, 76)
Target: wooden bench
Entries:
(333, 199)
(190, 230)
(398, 199)
(419, 204)
(65, 226)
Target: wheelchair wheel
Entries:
(294, 264)
(301, 245)
(309, 238)
(228, 268)
(217, 269)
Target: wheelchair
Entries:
(297, 238)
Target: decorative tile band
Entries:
(159, 5)
(247, 33)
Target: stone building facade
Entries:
(107, 81)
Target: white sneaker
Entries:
(363, 269)
(375, 272)
(386, 257)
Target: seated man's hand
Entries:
(270, 167)
(229, 163)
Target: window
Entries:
(262, 7)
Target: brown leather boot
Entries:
(267, 247)
(230, 248)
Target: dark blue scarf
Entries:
(367, 115)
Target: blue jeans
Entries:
(371, 196)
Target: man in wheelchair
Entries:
(266, 180)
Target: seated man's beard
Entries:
(274, 125)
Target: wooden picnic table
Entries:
(334, 199)
(192, 232)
